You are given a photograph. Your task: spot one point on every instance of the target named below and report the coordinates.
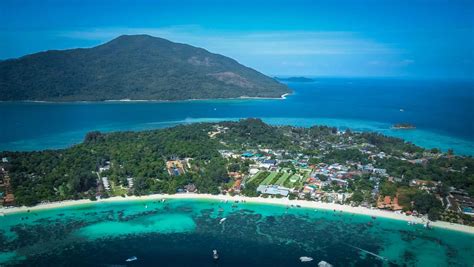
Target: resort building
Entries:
(464, 203)
(273, 190)
(388, 203)
(105, 182)
(175, 167)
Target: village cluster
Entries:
(328, 182)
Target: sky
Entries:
(429, 39)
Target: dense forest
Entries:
(71, 173)
(132, 67)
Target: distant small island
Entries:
(403, 126)
(295, 79)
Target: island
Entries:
(132, 67)
(295, 79)
(318, 166)
(403, 126)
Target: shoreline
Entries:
(257, 200)
(282, 97)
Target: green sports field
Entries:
(269, 178)
(282, 179)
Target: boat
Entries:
(324, 264)
(402, 110)
(215, 255)
(131, 259)
(222, 220)
(305, 259)
(403, 126)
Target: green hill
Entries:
(132, 67)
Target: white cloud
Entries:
(273, 52)
(251, 43)
(391, 63)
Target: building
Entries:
(190, 188)
(382, 172)
(273, 190)
(268, 163)
(106, 167)
(228, 154)
(424, 184)
(237, 185)
(253, 171)
(369, 168)
(175, 167)
(247, 155)
(388, 203)
(419, 161)
(339, 182)
(9, 200)
(130, 182)
(464, 203)
(105, 182)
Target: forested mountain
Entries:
(132, 67)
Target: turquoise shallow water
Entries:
(184, 232)
(442, 112)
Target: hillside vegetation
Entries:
(132, 67)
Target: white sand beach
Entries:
(273, 201)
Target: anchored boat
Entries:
(131, 259)
(306, 259)
(324, 264)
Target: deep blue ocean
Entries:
(442, 111)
